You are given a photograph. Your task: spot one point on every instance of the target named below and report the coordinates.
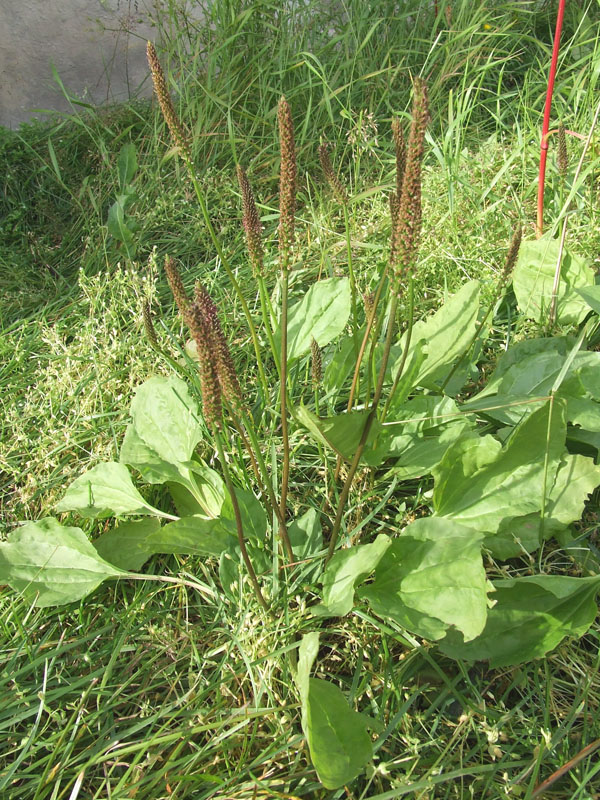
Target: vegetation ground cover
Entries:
(180, 691)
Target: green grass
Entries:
(169, 693)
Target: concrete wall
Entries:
(97, 47)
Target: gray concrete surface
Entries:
(96, 46)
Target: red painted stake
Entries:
(546, 122)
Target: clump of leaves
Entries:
(500, 473)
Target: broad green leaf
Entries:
(430, 578)
(322, 314)
(52, 564)
(209, 488)
(533, 281)
(117, 226)
(126, 545)
(341, 433)
(254, 519)
(479, 483)
(527, 383)
(126, 164)
(447, 334)
(165, 419)
(130, 545)
(531, 616)
(410, 374)
(105, 490)
(346, 569)
(568, 485)
(340, 364)
(418, 434)
(591, 295)
(154, 469)
(306, 534)
(337, 736)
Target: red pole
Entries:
(546, 122)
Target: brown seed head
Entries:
(562, 156)
(287, 182)
(219, 349)
(176, 129)
(407, 228)
(400, 148)
(317, 363)
(513, 252)
(251, 222)
(148, 324)
(177, 287)
(212, 406)
(332, 179)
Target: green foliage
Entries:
(534, 277)
(51, 564)
(494, 465)
(337, 736)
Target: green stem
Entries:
(361, 352)
(232, 278)
(366, 430)
(266, 483)
(267, 315)
(411, 314)
(285, 469)
(352, 279)
(238, 522)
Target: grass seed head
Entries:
(176, 129)
(251, 222)
(287, 182)
(212, 404)
(332, 179)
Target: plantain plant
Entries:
(502, 467)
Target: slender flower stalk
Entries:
(405, 238)
(181, 141)
(253, 230)
(341, 196)
(287, 211)
(238, 523)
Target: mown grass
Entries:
(169, 693)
